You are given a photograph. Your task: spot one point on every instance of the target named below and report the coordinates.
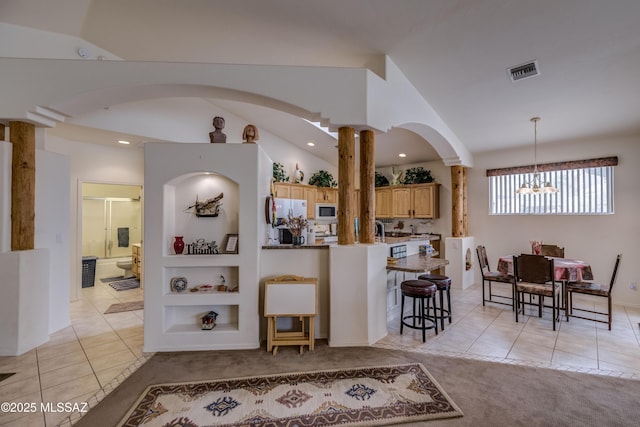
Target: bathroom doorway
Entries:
(111, 219)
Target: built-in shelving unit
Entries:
(175, 175)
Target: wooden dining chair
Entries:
(488, 277)
(595, 289)
(534, 276)
(552, 250)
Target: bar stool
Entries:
(443, 283)
(419, 290)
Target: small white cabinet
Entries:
(175, 174)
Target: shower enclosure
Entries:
(111, 219)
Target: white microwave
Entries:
(326, 211)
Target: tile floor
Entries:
(88, 359)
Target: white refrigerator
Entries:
(293, 207)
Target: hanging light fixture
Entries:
(536, 186)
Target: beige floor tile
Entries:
(586, 348)
(562, 358)
(99, 339)
(107, 375)
(12, 363)
(60, 337)
(523, 350)
(631, 359)
(58, 350)
(608, 366)
(105, 361)
(18, 419)
(61, 361)
(105, 349)
(22, 373)
(18, 389)
(66, 374)
(70, 390)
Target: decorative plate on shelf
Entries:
(178, 284)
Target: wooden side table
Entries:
(294, 297)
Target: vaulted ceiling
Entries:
(456, 54)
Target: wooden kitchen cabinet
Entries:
(283, 190)
(384, 203)
(408, 201)
(326, 195)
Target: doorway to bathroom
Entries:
(111, 224)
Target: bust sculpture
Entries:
(217, 135)
(250, 134)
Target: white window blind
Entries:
(582, 190)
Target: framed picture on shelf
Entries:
(230, 245)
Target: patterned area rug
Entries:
(123, 285)
(355, 397)
(125, 306)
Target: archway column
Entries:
(367, 187)
(23, 185)
(459, 217)
(346, 189)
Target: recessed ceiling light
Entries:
(402, 155)
(311, 144)
(122, 141)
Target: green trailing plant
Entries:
(381, 180)
(417, 175)
(279, 174)
(323, 178)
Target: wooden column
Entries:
(346, 189)
(23, 185)
(465, 211)
(2, 132)
(367, 187)
(457, 201)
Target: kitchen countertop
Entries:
(417, 264)
(409, 237)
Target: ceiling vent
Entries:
(524, 71)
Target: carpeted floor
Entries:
(123, 285)
(489, 394)
(125, 306)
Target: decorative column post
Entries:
(367, 187)
(457, 202)
(346, 190)
(23, 185)
(1, 132)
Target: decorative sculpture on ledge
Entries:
(217, 135)
(250, 134)
(208, 208)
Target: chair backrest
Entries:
(533, 268)
(552, 250)
(615, 272)
(482, 258)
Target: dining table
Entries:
(565, 269)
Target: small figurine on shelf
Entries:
(222, 287)
(250, 134)
(298, 175)
(217, 135)
(208, 321)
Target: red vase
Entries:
(178, 245)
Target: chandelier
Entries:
(536, 186)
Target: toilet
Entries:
(125, 264)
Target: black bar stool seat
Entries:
(443, 284)
(420, 291)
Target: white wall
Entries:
(596, 239)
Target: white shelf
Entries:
(175, 175)
(189, 328)
(221, 260)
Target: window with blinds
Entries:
(585, 188)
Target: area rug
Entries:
(113, 279)
(356, 397)
(125, 306)
(123, 285)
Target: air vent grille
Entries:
(523, 71)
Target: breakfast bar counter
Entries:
(416, 264)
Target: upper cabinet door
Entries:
(384, 203)
(426, 201)
(402, 202)
(283, 191)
